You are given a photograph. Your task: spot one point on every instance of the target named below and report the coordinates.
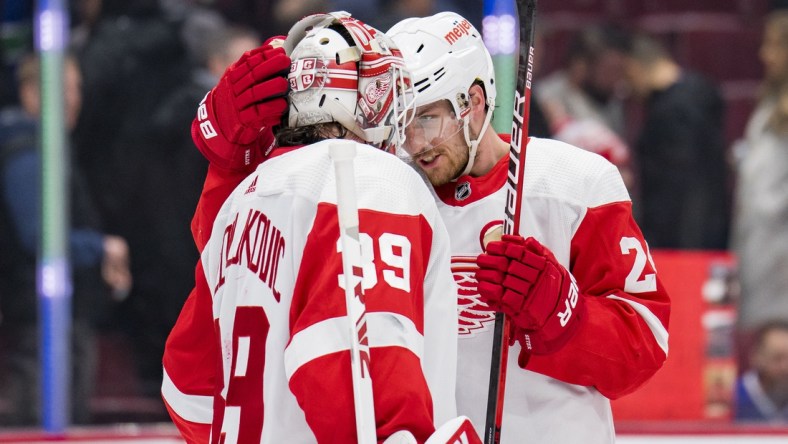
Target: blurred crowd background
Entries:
(689, 98)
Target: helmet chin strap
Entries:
(473, 145)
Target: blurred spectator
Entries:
(762, 391)
(199, 27)
(268, 16)
(135, 58)
(538, 126)
(94, 255)
(213, 46)
(537, 122)
(131, 60)
(589, 85)
(173, 164)
(392, 12)
(84, 17)
(760, 228)
(582, 102)
(290, 11)
(16, 40)
(680, 152)
(273, 17)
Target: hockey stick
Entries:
(342, 154)
(526, 11)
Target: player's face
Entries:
(435, 142)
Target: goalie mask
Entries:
(347, 72)
(446, 56)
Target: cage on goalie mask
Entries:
(345, 71)
(446, 55)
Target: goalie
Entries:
(260, 351)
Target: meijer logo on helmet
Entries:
(461, 29)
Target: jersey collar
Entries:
(467, 190)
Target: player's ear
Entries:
(478, 98)
(477, 105)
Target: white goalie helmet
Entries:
(445, 55)
(347, 72)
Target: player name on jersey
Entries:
(259, 247)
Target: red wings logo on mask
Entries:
(376, 98)
(474, 315)
(377, 89)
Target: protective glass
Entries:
(429, 127)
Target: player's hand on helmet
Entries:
(522, 278)
(235, 121)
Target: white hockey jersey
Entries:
(575, 203)
(271, 285)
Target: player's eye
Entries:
(427, 119)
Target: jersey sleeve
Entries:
(625, 339)
(189, 361)
(396, 251)
(189, 370)
(219, 183)
(190, 353)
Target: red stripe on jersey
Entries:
(192, 432)
(480, 187)
(400, 246)
(194, 326)
(193, 369)
(400, 392)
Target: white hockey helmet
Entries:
(446, 55)
(347, 72)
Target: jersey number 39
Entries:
(393, 250)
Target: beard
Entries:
(454, 159)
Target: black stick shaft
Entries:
(526, 12)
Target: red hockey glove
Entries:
(234, 124)
(522, 278)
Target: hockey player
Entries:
(575, 204)
(260, 351)
(589, 314)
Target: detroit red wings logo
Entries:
(474, 315)
(376, 98)
(377, 89)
